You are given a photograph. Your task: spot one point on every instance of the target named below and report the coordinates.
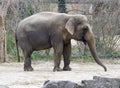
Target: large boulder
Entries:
(60, 84)
(97, 82)
(4, 87)
(102, 82)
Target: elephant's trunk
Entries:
(91, 44)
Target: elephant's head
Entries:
(80, 30)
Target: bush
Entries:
(11, 49)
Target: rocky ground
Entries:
(13, 76)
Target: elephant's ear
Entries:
(70, 26)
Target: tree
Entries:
(62, 6)
(3, 10)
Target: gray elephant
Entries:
(49, 29)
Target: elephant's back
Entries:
(40, 20)
(43, 17)
(32, 19)
(51, 14)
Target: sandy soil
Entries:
(13, 76)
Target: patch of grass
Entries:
(116, 54)
(111, 54)
(87, 58)
(106, 55)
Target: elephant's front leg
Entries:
(66, 56)
(58, 49)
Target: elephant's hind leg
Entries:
(27, 61)
(27, 51)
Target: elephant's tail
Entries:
(17, 47)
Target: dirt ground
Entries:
(13, 76)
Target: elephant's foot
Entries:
(28, 68)
(67, 68)
(57, 69)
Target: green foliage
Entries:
(106, 55)
(110, 54)
(38, 56)
(88, 58)
(116, 54)
(62, 6)
(11, 49)
(26, 11)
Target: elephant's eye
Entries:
(79, 23)
(85, 28)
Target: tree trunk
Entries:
(2, 41)
(3, 51)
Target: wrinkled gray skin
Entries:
(49, 29)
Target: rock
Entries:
(60, 84)
(97, 82)
(101, 82)
(4, 87)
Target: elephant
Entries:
(44, 30)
